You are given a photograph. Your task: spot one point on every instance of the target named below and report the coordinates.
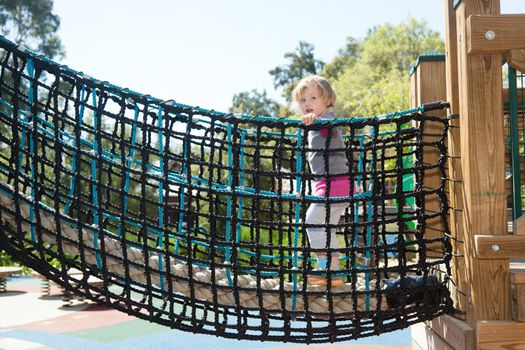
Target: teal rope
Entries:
(368, 238)
(186, 150)
(359, 180)
(31, 73)
(227, 258)
(297, 212)
(129, 162)
(160, 240)
(74, 160)
(94, 187)
(241, 185)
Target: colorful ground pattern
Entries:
(31, 321)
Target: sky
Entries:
(203, 52)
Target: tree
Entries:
(33, 24)
(302, 63)
(347, 57)
(378, 81)
(254, 103)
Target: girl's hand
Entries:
(309, 118)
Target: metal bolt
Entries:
(495, 247)
(490, 35)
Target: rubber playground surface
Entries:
(30, 320)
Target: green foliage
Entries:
(347, 57)
(370, 77)
(5, 259)
(301, 63)
(32, 23)
(254, 103)
(376, 81)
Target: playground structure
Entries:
(88, 170)
(490, 294)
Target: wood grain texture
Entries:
(507, 29)
(516, 59)
(500, 247)
(424, 338)
(500, 335)
(455, 173)
(482, 160)
(456, 333)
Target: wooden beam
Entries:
(518, 301)
(495, 33)
(455, 172)
(500, 335)
(457, 333)
(517, 272)
(500, 246)
(517, 289)
(516, 59)
(483, 167)
(424, 338)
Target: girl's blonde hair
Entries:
(327, 93)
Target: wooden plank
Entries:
(519, 225)
(517, 273)
(424, 338)
(455, 172)
(518, 301)
(495, 33)
(500, 335)
(500, 246)
(516, 59)
(457, 333)
(483, 166)
(517, 290)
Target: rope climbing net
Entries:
(195, 219)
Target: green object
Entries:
(514, 144)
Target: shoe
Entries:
(317, 280)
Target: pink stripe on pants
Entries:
(339, 187)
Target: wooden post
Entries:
(428, 85)
(482, 161)
(454, 163)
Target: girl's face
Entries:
(312, 102)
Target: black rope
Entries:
(196, 219)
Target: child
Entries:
(312, 98)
